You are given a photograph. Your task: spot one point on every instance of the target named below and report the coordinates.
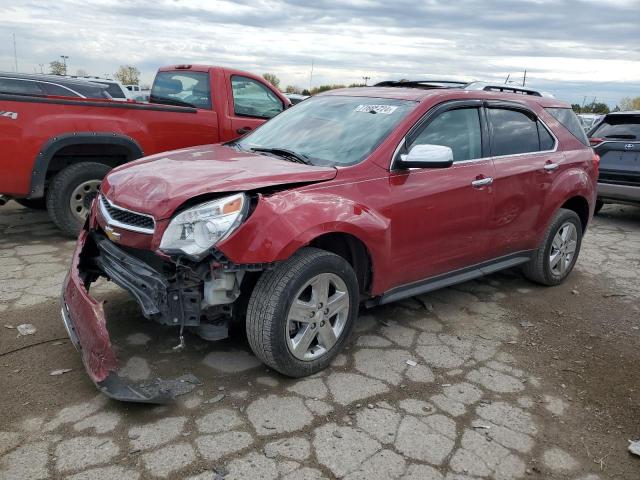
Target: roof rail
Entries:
(475, 85)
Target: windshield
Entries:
(182, 88)
(330, 130)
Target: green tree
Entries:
(272, 79)
(324, 88)
(292, 89)
(128, 75)
(57, 68)
(576, 108)
(628, 103)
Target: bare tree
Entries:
(82, 73)
(292, 89)
(628, 103)
(272, 79)
(128, 75)
(57, 68)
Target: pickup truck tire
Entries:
(310, 286)
(33, 203)
(557, 254)
(69, 183)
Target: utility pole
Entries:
(64, 62)
(15, 53)
(41, 67)
(507, 79)
(524, 78)
(366, 79)
(311, 76)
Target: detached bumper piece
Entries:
(85, 321)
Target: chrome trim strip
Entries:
(125, 226)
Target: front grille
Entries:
(123, 218)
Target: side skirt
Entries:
(451, 278)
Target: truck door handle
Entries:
(243, 130)
(482, 182)
(550, 167)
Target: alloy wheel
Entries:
(563, 248)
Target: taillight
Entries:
(596, 161)
(595, 141)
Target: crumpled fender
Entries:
(282, 224)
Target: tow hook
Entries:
(4, 199)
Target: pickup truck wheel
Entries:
(71, 192)
(554, 259)
(301, 312)
(33, 203)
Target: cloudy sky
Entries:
(574, 49)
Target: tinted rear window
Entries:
(23, 87)
(182, 88)
(623, 127)
(570, 121)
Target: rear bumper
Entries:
(626, 193)
(85, 322)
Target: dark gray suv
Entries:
(617, 140)
(43, 85)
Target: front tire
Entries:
(71, 192)
(599, 205)
(301, 312)
(555, 258)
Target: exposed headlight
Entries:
(197, 229)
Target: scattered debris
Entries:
(60, 371)
(634, 447)
(8, 326)
(575, 292)
(26, 329)
(609, 295)
(526, 324)
(215, 399)
(412, 363)
(486, 427)
(337, 434)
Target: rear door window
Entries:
(252, 99)
(512, 132)
(53, 89)
(457, 129)
(619, 127)
(182, 88)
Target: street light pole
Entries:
(64, 62)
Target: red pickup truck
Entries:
(56, 150)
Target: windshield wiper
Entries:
(285, 153)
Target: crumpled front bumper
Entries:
(85, 322)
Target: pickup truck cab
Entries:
(56, 150)
(362, 195)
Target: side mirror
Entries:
(427, 156)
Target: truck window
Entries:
(252, 99)
(187, 89)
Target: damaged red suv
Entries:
(363, 195)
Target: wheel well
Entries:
(353, 251)
(107, 154)
(581, 207)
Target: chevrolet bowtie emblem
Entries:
(112, 234)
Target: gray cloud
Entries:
(572, 48)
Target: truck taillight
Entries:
(596, 161)
(595, 141)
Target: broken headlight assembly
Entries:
(195, 230)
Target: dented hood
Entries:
(159, 184)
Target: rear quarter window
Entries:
(570, 121)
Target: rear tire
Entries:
(599, 205)
(277, 338)
(33, 203)
(557, 254)
(71, 192)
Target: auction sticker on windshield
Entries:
(386, 109)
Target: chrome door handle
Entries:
(483, 182)
(550, 167)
